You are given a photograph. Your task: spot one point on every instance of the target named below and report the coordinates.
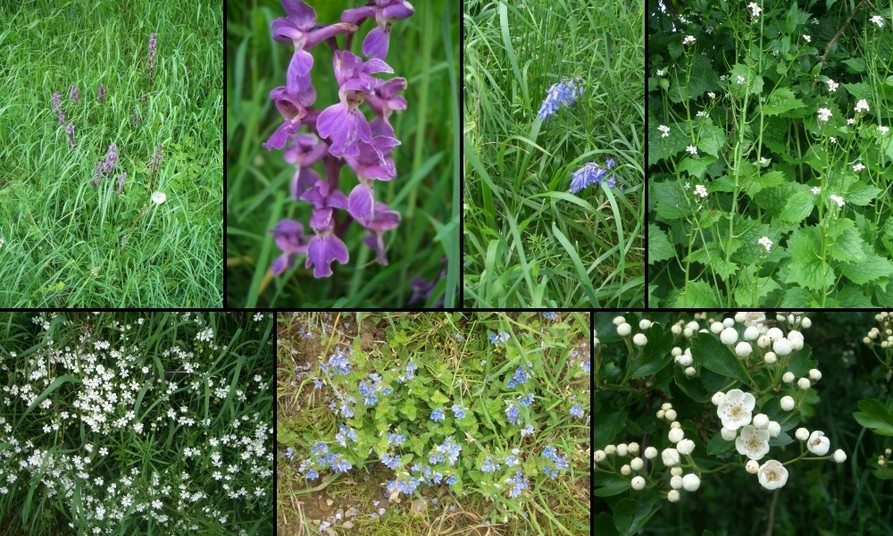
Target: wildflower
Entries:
(766, 243)
(815, 190)
(345, 433)
(390, 461)
(74, 93)
(661, 72)
(665, 130)
(289, 452)
(862, 106)
(787, 403)
(839, 456)
(527, 430)
(764, 161)
(519, 484)
(832, 85)
(340, 465)
(157, 156)
(877, 20)
(701, 113)
(149, 72)
(591, 174)
(437, 415)
(688, 40)
(159, 198)
(858, 167)
(691, 482)
(824, 114)
(755, 9)
(637, 483)
(57, 106)
(837, 199)
(513, 413)
(736, 409)
(818, 443)
(458, 411)
(752, 442)
(711, 94)
(70, 131)
(496, 338)
(100, 93)
(577, 411)
(526, 400)
(396, 439)
(740, 80)
(451, 480)
(375, 44)
(772, 475)
(692, 150)
(807, 38)
(520, 377)
(701, 190)
(833, 140)
(488, 466)
(851, 121)
(883, 130)
(565, 92)
(548, 315)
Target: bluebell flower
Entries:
(396, 439)
(488, 466)
(458, 411)
(513, 413)
(577, 411)
(526, 401)
(549, 315)
(437, 415)
(452, 480)
(565, 92)
(390, 461)
(590, 174)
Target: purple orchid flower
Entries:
(100, 93)
(306, 151)
(57, 106)
(300, 29)
(289, 236)
(293, 109)
(325, 249)
(384, 100)
(385, 219)
(70, 131)
(325, 200)
(74, 93)
(375, 44)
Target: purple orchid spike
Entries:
(384, 100)
(70, 131)
(151, 67)
(289, 236)
(324, 200)
(100, 93)
(325, 249)
(293, 109)
(300, 29)
(305, 152)
(57, 106)
(74, 93)
(375, 44)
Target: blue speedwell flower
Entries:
(496, 338)
(565, 92)
(520, 377)
(577, 411)
(526, 401)
(390, 460)
(396, 439)
(590, 174)
(513, 413)
(488, 466)
(458, 411)
(345, 433)
(437, 415)
(519, 484)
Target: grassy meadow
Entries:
(528, 241)
(65, 242)
(424, 50)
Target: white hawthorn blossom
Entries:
(736, 409)
(818, 443)
(753, 442)
(772, 475)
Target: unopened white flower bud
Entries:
(716, 328)
(805, 323)
(639, 339)
(633, 448)
(625, 470)
(670, 414)
(676, 351)
(624, 329)
(718, 397)
(728, 435)
(660, 413)
(788, 377)
(770, 358)
(690, 371)
(673, 495)
(691, 482)
(666, 405)
(644, 324)
(685, 360)
(774, 429)
(761, 420)
(685, 447)
(802, 434)
(651, 453)
(676, 329)
(599, 456)
(619, 320)
(610, 450)
(752, 466)
(676, 482)
(638, 483)
(676, 471)
(688, 333)
(636, 464)
(670, 457)
(803, 383)
(764, 341)
(787, 403)
(774, 334)
(676, 435)
(622, 449)
(751, 333)
(782, 347)
(743, 349)
(728, 336)
(815, 375)
(839, 456)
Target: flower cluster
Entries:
(150, 69)
(564, 93)
(343, 135)
(591, 174)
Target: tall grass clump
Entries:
(406, 252)
(91, 213)
(136, 424)
(554, 181)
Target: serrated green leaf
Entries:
(760, 181)
(703, 79)
(711, 139)
(670, 202)
(659, 246)
(861, 194)
(846, 243)
(874, 416)
(409, 410)
(872, 268)
(439, 398)
(798, 206)
(695, 294)
(696, 167)
(780, 101)
(806, 267)
(717, 357)
(752, 290)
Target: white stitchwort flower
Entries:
(824, 114)
(740, 80)
(753, 442)
(664, 130)
(688, 40)
(862, 106)
(692, 150)
(736, 409)
(832, 85)
(818, 443)
(772, 475)
(766, 243)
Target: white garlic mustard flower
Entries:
(862, 106)
(689, 40)
(883, 130)
(736, 409)
(877, 20)
(766, 243)
(815, 190)
(832, 85)
(753, 442)
(692, 150)
(772, 475)
(859, 167)
(755, 9)
(664, 130)
(824, 114)
(818, 443)
(701, 190)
